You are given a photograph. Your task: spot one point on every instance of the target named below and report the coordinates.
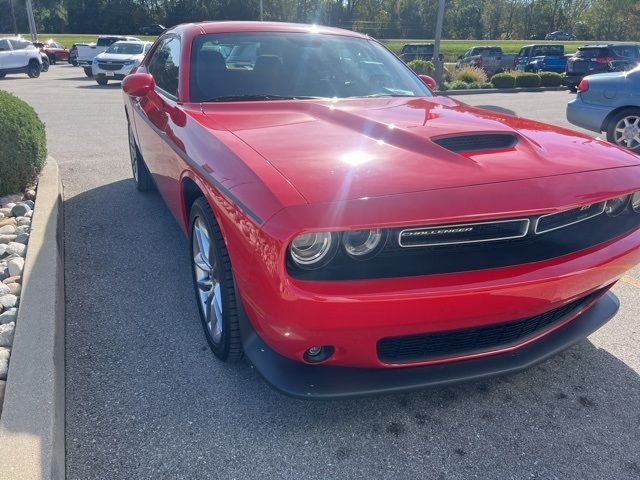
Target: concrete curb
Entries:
(32, 423)
(501, 90)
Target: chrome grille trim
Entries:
(599, 211)
(524, 229)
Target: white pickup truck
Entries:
(490, 59)
(86, 53)
(19, 56)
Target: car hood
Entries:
(119, 57)
(359, 148)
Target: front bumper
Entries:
(112, 74)
(321, 382)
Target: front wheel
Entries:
(45, 65)
(214, 284)
(141, 174)
(624, 129)
(88, 72)
(34, 69)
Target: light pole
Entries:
(436, 48)
(32, 22)
(261, 12)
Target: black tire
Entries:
(229, 347)
(88, 72)
(45, 66)
(2, 75)
(613, 122)
(573, 88)
(102, 80)
(74, 62)
(34, 69)
(141, 174)
(52, 59)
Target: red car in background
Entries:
(351, 233)
(54, 50)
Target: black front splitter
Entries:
(322, 382)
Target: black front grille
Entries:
(477, 142)
(110, 66)
(553, 221)
(454, 343)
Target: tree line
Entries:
(464, 19)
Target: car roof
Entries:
(228, 27)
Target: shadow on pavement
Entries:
(144, 393)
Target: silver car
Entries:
(610, 102)
(118, 60)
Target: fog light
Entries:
(318, 354)
(635, 202)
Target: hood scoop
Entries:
(477, 142)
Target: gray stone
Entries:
(15, 248)
(4, 289)
(8, 301)
(23, 221)
(15, 266)
(29, 203)
(7, 238)
(30, 194)
(14, 288)
(3, 249)
(9, 316)
(22, 238)
(7, 230)
(20, 209)
(23, 229)
(12, 198)
(6, 334)
(8, 221)
(5, 353)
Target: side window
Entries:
(522, 52)
(4, 45)
(19, 44)
(165, 65)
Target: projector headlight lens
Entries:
(635, 202)
(361, 243)
(615, 206)
(310, 249)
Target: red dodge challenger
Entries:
(351, 233)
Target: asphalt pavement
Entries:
(147, 400)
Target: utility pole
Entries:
(32, 22)
(261, 12)
(436, 49)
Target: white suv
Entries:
(19, 56)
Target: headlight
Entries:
(129, 62)
(310, 249)
(361, 243)
(616, 206)
(635, 202)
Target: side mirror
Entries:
(429, 82)
(138, 84)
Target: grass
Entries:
(450, 48)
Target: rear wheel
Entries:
(141, 174)
(34, 69)
(88, 72)
(102, 80)
(624, 129)
(213, 279)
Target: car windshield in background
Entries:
(278, 65)
(420, 49)
(548, 50)
(125, 48)
(107, 41)
(488, 51)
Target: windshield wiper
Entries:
(250, 97)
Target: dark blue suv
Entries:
(543, 57)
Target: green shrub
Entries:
(486, 85)
(528, 80)
(503, 80)
(422, 67)
(23, 144)
(444, 86)
(457, 85)
(474, 85)
(470, 75)
(550, 79)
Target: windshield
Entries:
(123, 48)
(277, 65)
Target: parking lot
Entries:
(147, 399)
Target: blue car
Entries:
(610, 102)
(542, 57)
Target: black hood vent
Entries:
(477, 142)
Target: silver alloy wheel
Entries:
(134, 155)
(207, 282)
(627, 132)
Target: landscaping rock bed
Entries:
(15, 227)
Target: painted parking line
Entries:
(631, 280)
